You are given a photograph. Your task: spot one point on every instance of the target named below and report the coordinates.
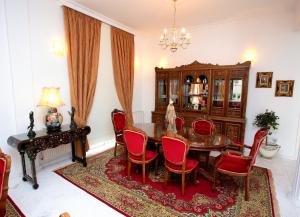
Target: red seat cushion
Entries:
(190, 165)
(149, 155)
(234, 164)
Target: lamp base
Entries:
(53, 120)
(53, 129)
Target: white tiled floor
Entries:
(55, 195)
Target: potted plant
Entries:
(268, 119)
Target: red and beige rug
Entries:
(12, 210)
(105, 179)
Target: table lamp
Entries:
(52, 99)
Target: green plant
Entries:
(267, 119)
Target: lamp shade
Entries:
(51, 97)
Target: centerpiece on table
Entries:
(268, 119)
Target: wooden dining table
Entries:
(200, 144)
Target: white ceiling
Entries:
(152, 14)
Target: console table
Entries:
(43, 141)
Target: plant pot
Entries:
(269, 151)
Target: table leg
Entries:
(35, 184)
(73, 151)
(23, 165)
(207, 159)
(83, 142)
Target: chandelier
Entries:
(175, 39)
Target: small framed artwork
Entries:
(264, 79)
(284, 88)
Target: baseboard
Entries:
(95, 148)
(100, 147)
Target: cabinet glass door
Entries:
(219, 92)
(186, 91)
(235, 93)
(162, 91)
(174, 91)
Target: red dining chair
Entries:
(179, 121)
(203, 127)
(175, 152)
(136, 143)
(118, 118)
(235, 164)
(5, 164)
(239, 146)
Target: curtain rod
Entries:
(85, 10)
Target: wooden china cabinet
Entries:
(216, 92)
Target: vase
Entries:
(269, 151)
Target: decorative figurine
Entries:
(31, 133)
(73, 124)
(171, 116)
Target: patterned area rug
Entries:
(12, 210)
(105, 179)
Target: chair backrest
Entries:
(5, 164)
(261, 133)
(259, 138)
(135, 142)
(175, 150)
(179, 121)
(203, 127)
(118, 118)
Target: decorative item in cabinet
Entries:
(196, 93)
(188, 80)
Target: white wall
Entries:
(27, 28)
(105, 97)
(277, 45)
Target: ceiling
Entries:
(151, 14)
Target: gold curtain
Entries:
(83, 47)
(122, 44)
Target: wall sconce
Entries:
(58, 47)
(136, 61)
(250, 55)
(163, 63)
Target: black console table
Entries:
(43, 141)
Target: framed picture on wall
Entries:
(284, 88)
(264, 79)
